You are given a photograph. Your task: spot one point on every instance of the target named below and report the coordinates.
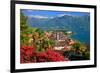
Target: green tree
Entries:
(23, 22)
(23, 29)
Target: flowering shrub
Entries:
(54, 56)
(49, 56)
(41, 57)
(29, 55)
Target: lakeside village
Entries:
(49, 46)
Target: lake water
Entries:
(82, 37)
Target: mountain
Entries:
(78, 24)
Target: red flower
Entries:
(54, 56)
(41, 54)
(27, 54)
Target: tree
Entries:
(23, 29)
(23, 22)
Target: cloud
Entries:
(60, 15)
(29, 10)
(39, 16)
(68, 14)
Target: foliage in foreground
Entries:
(29, 55)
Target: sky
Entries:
(50, 14)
